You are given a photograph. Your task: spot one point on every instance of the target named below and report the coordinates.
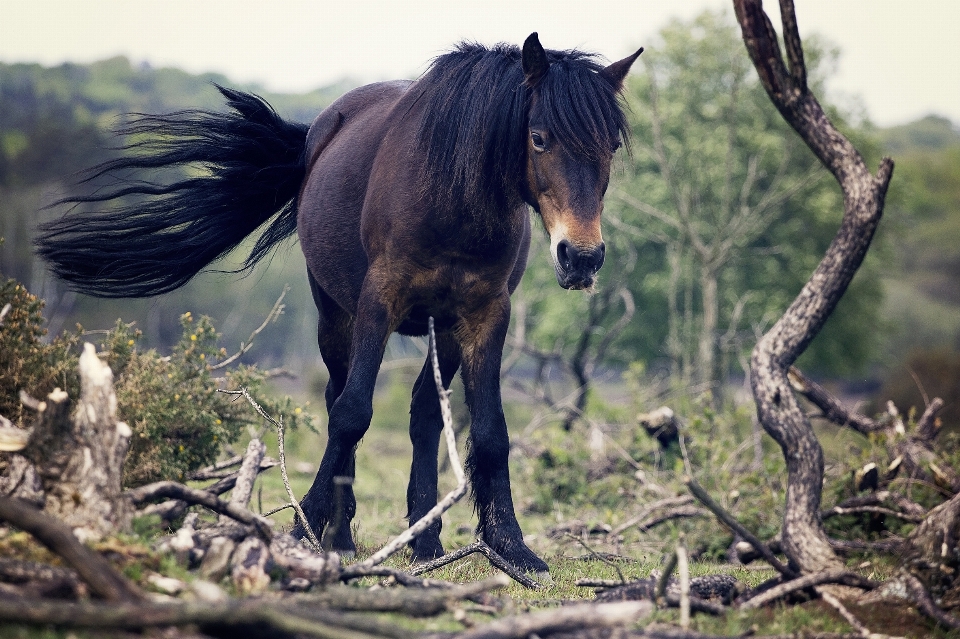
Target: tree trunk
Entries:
(804, 539)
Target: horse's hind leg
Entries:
(426, 423)
(334, 331)
(481, 343)
(350, 416)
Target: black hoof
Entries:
(425, 550)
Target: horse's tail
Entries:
(242, 169)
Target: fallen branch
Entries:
(843, 577)
(737, 527)
(246, 476)
(846, 614)
(831, 408)
(876, 510)
(172, 489)
(925, 603)
(94, 570)
(174, 508)
(481, 547)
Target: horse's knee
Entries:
(349, 419)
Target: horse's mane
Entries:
(473, 128)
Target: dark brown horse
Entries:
(410, 201)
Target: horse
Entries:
(410, 200)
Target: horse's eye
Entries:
(538, 143)
(616, 145)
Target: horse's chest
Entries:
(448, 294)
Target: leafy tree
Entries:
(708, 224)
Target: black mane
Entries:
(474, 127)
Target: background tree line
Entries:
(713, 222)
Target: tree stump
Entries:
(79, 458)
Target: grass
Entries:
(383, 460)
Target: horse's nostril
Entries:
(599, 253)
(565, 254)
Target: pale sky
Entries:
(900, 58)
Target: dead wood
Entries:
(79, 458)
(481, 547)
(918, 593)
(664, 631)
(648, 510)
(247, 475)
(571, 618)
(94, 570)
(245, 618)
(931, 554)
(167, 489)
(785, 81)
(731, 522)
(843, 577)
(832, 409)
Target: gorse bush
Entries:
(26, 362)
(179, 420)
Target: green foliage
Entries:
(27, 363)
(179, 420)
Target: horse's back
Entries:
(342, 145)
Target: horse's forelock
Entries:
(474, 115)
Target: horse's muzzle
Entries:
(576, 268)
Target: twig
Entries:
(203, 498)
(453, 496)
(877, 510)
(844, 577)
(286, 484)
(94, 570)
(212, 471)
(683, 571)
(664, 579)
(649, 510)
(737, 527)
(274, 313)
(278, 424)
(481, 547)
(831, 407)
(846, 614)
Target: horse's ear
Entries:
(534, 60)
(617, 72)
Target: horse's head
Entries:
(575, 125)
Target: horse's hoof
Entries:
(346, 554)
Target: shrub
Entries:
(26, 362)
(179, 420)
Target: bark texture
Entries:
(785, 81)
(78, 457)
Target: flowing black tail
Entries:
(247, 167)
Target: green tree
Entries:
(713, 224)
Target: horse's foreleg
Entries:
(481, 341)
(426, 424)
(326, 504)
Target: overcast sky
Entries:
(900, 57)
